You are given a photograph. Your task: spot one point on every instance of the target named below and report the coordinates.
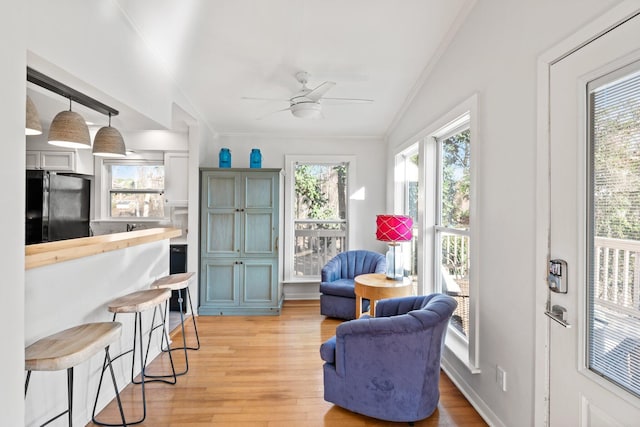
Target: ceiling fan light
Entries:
(33, 125)
(108, 142)
(307, 110)
(68, 129)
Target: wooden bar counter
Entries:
(71, 282)
(64, 250)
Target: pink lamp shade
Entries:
(393, 228)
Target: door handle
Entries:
(558, 314)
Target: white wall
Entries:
(12, 116)
(495, 55)
(93, 48)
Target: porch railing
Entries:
(316, 242)
(617, 270)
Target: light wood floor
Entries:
(263, 371)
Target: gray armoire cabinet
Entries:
(240, 233)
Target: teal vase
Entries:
(255, 159)
(224, 158)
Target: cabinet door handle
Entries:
(277, 240)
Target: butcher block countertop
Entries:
(42, 254)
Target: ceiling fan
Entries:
(306, 103)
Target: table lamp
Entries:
(393, 229)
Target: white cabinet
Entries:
(176, 179)
(61, 161)
(51, 160)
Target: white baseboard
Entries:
(479, 405)
(301, 291)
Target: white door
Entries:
(594, 364)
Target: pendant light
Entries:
(69, 129)
(108, 142)
(33, 125)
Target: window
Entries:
(613, 311)
(452, 228)
(407, 192)
(449, 216)
(135, 189)
(319, 210)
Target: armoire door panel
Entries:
(222, 234)
(258, 233)
(258, 281)
(259, 192)
(220, 282)
(222, 192)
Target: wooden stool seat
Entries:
(139, 301)
(70, 347)
(173, 281)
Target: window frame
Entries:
(289, 217)
(465, 350)
(104, 196)
(401, 202)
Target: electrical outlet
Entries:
(501, 378)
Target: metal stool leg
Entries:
(184, 347)
(26, 383)
(193, 318)
(173, 374)
(108, 363)
(69, 409)
(70, 394)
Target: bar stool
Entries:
(136, 303)
(69, 348)
(180, 282)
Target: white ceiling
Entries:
(219, 51)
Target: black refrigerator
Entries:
(57, 207)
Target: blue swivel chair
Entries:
(337, 295)
(388, 367)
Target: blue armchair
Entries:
(337, 295)
(388, 367)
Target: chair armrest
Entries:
(397, 306)
(328, 350)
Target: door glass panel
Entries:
(614, 261)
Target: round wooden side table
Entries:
(376, 287)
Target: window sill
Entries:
(459, 347)
(302, 281)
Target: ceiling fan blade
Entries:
(249, 98)
(317, 93)
(272, 112)
(346, 101)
